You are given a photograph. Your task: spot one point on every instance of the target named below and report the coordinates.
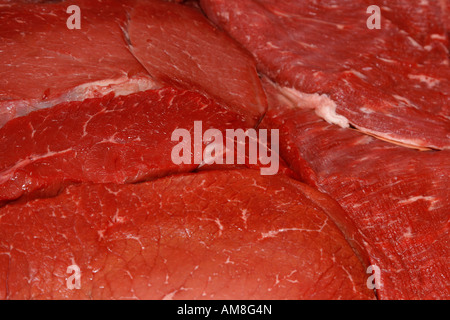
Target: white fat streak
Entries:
(225, 15)
(321, 103)
(429, 81)
(366, 110)
(432, 200)
(244, 216)
(356, 73)
(269, 44)
(170, 295)
(121, 86)
(216, 221)
(274, 233)
(387, 60)
(410, 142)
(7, 174)
(437, 37)
(408, 234)
(414, 43)
(402, 99)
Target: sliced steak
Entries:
(45, 63)
(179, 46)
(425, 22)
(110, 139)
(383, 82)
(397, 197)
(211, 235)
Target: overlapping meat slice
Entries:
(210, 235)
(46, 63)
(397, 197)
(110, 139)
(425, 22)
(179, 46)
(383, 82)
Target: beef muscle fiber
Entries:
(210, 235)
(398, 198)
(381, 81)
(110, 139)
(121, 47)
(45, 63)
(179, 46)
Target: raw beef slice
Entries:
(211, 235)
(424, 21)
(398, 198)
(382, 82)
(110, 139)
(45, 63)
(178, 45)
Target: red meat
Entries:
(45, 63)
(382, 82)
(179, 46)
(121, 140)
(398, 198)
(210, 235)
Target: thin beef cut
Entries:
(397, 197)
(179, 46)
(210, 235)
(382, 82)
(45, 63)
(425, 22)
(110, 139)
